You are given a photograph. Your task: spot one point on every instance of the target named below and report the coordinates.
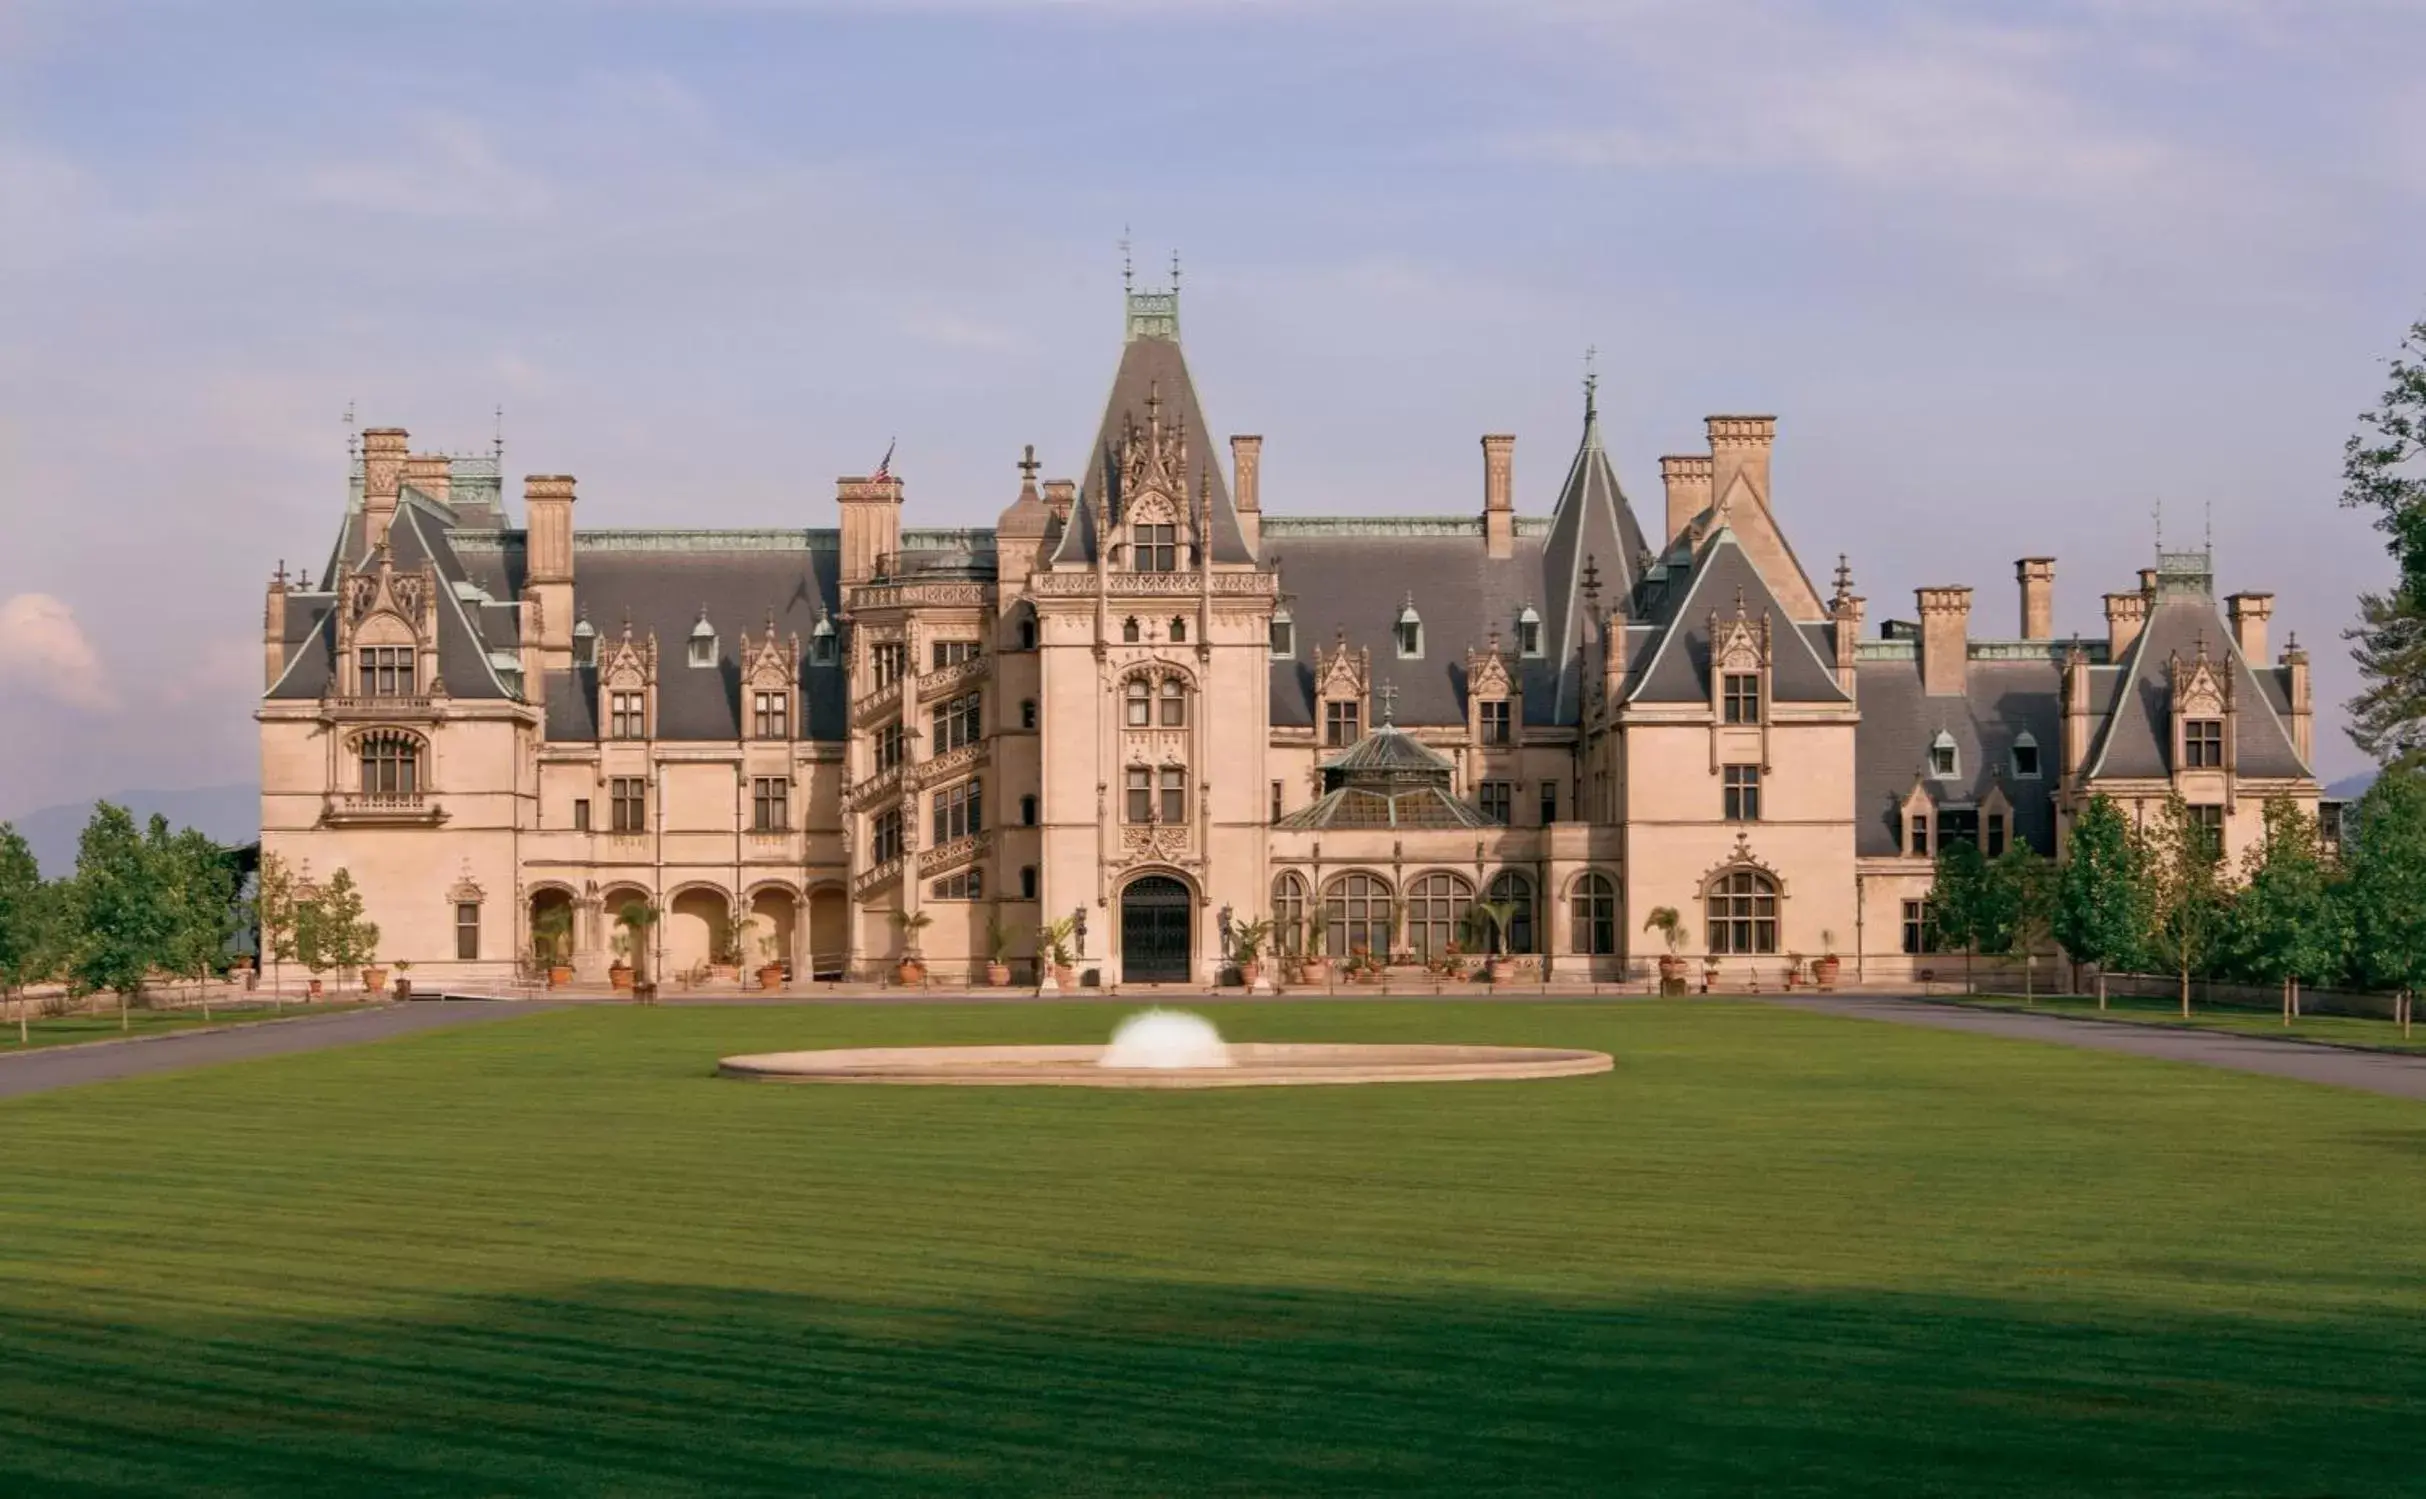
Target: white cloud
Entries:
(43, 648)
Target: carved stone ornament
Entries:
(1159, 843)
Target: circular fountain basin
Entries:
(1251, 1065)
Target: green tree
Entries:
(2387, 890)
(2101, 903)
(274, 894)
(199, 881)
(309, 944)
(1962, 906)
(2287, 926)
(2384, 470)
(347, 940)
(637, 918)
(119, 924)
(2183, 864)
(2025, 886)
(24, 922)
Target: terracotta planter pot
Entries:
(1249, 972)
(1317, 971)
(998, 975)
(770, 977)
(315, 990)
(726, 972)
(375, 980)
(404, 988)
(909, 973)
(1672, 969)
(559, 975)
(1499, 970)
(1065, 975)
(620, 975)
(1824, 972)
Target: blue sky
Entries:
(2009, 276)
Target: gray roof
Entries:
(1675, 666)
(2136, 740)
(1592, 525)
(1343, 579)
(468, 630)
(2001, 701)
(1151, 365)
(1389, 753)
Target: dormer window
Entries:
(1528, 632)
(1284, 636)
(1153, 548)
(1409, 631)
(703, 641)
(1740, 697)
(2025, 758)
(1944, 762)
(825, 647)
(2202, 743)
(585, 643)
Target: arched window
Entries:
(1436, 909)
(1027, 634)
(1743, 913)
(1517, 891)
(1289, 914)
(1128, 631)
(1174, 703)
(1592, 912)
(391, 765)
(1356, 913)
(1140, 711)
(1179, 628)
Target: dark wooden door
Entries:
(1154, 931)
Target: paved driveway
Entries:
(2373, 1072)
(66, 1066)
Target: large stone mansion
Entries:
(1139, 699)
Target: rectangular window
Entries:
(1276, 801)
(1528, 637)
(1920, 933)
(1140, 786)
(890, 743)
(1284, 639)
(581, 814)
(2210, 821)
(2025, 762)
(1497, 799)
(771, 715)
(1174, 697)
(1340, 722)
(957, 722)
(1743, 792)
(467, 931)
(1549, 802)
(1740, 699)
(770, 804)
(889, 660)
(1496, 727)
(969, 884)
(1958, 825)
(1410, 639)
(387, 671)
(884, 839)
(1994, 826)
(958, 813)
(629, 803)
(2203, 743)
(1174, 795)
(1027, 713)
(1154, 549)
(954, 652)
(1920, 836)
(627, 715)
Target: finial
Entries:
(2207, 542)
(1844, 576)
(1028, 464)
(303, 580)
(279, 577)
(1128, 268)
(2157, 518)
(1591, 380)
(1739, 601)
(1591, 578)
(497, 436)
(1175, 273)
(1388, 693)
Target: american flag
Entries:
(884, 465)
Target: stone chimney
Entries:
(1246, 489)
(2077, 722)
(2249, 613)
(431, 473)
(1945, 639)
(1499, 494)
(2037, 578)
(1060, 496)
(1687, 477)
(383, 457)
(2303, 710)
(273, 630)
(1739, 449)
(2125, 613)
(1846, 608)
(547, 517)
(2148, 582)
(871, 525)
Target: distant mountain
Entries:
(230, 814)
(2350, 788)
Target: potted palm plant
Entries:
(1494, 917)
(998, 952)
(636, 918)
(1053, 939)
(619, 972)
(404, 984)
(1825, 967)
(551, 937)
(770, 968)
(1247, 948)
(1671, 929)
(912, 966)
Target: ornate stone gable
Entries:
(1343, 672)
(770, 663)
(2201, 689)
(629, 663)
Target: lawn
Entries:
(104, 1024)
(1772, 1252)
(2331, 1030)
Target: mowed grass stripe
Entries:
(1770, 1251)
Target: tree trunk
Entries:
(2287, 1001)
(2101, 986)
(2295, 996)
(2185, 991)
(125, 1022)
(2029, 977)
(1969, 987)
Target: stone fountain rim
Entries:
(1253, 1064)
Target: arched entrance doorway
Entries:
(829, 933)
(1155, 931)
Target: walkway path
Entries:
(66, 1066)
(2373, 1072)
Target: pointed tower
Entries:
(1593, 534)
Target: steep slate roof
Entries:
(2136, 738)
(2001, 701)
(1675, 667)
(1349, 578)
(1592, 523)
(1151, 365)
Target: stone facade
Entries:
(1143, 700)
